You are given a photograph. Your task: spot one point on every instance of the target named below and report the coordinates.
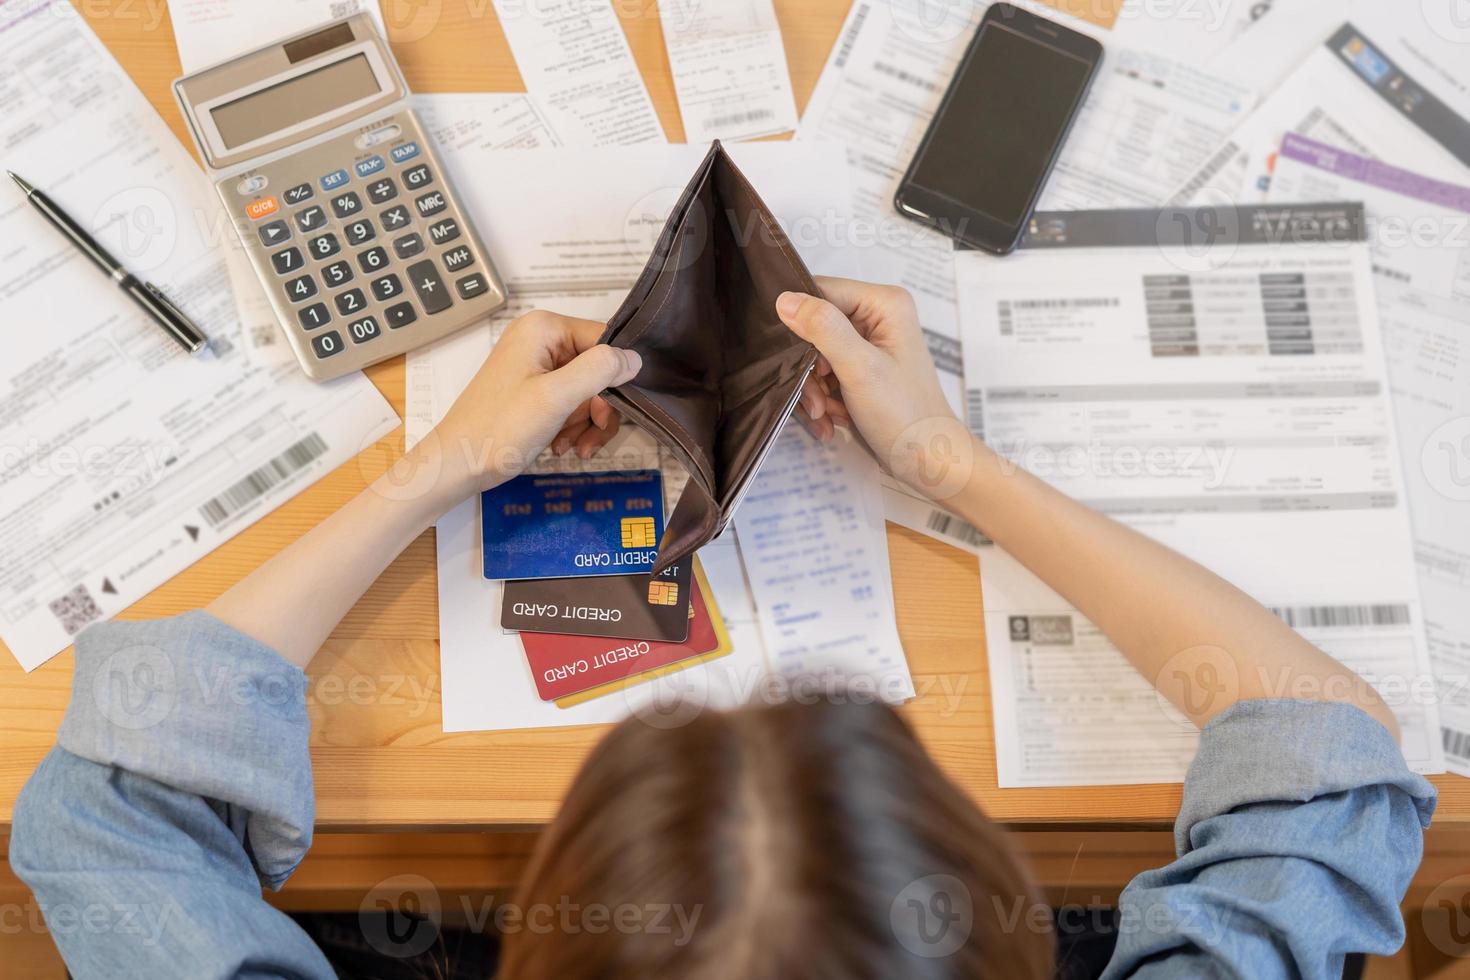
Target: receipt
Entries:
(123, 460)
(729, 69)
(816, 552)
(1380, 85)
(1421, 261)
(1229, 400)
(489, 120)
(579, 70)
(210, 31)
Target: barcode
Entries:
(945, 351)
(975, 412)
(754, 115)
(1323, 616)
(952, 527)
(258, 482)
(850, 37)
(1455, 743)
(1204, 175)
(905, 76)
(1083, 302)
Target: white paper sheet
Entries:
(1421, 261)
(816, 554)
(1149, 121)
(579, 70)
(1147, 381)
(210, 31)
(580, 259)
(729, 69)
(123, 460)
(1368, 93)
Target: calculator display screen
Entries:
(295, 100)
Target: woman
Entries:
(818, 842)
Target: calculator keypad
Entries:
(366, 247)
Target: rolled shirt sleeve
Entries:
(179, 785)
(1300, 830)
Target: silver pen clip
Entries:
(168, 304)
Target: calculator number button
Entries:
(274, 233)
(408, 246)
(360, 231)
(337, 274)
(350, 302)
(287, 261)
(298, 194)
(301, 288)
(325, 246)
(312, 218)
(446, 230)
(431, 203)
(471, 286)
(458, 258)
(387, 287)
(346, 205)
(382, 191)
(327, 344)
(361, 331)
(373, 259)
(395, 218)
(432, 292)
(400, 315)
(418, 177)
(263, 208)
(313, 316)
(334, 180)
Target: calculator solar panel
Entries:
(354, 230)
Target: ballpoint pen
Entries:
(148, 296)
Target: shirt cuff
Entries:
(199, 706)
(1270, 750)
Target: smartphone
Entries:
(982, 163)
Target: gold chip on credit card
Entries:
(638, 532)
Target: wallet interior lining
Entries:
(708, 331)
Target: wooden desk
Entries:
(383, 762)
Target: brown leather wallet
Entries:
(721, 372)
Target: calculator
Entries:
(335, 191)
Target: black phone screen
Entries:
(1002, 123)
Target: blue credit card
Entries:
(556, 525)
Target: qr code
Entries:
(344, 8)
(75, 610)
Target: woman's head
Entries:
(791, 841)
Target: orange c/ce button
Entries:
(261, 208)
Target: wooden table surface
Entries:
(382, 761)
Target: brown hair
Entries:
(792, 841)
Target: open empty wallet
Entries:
(721, 373)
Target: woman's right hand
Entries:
(869, 338)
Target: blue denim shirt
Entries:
(181, 784)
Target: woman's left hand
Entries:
(540, 386)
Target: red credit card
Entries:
(564, 665)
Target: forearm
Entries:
(294, 601)
(1174, 620)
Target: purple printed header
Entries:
(1375, 173)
